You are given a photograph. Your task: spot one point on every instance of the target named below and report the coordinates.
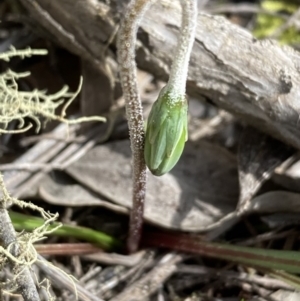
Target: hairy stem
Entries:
(167, 123)
(175, 87)
(134, 111)
(179, 68)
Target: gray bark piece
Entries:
(258, 81)
(183, 199)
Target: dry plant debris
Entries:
(233, 183)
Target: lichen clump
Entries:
(18, 105)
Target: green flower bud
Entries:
(166, 132)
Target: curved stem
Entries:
(179, 68)
(134, 112)
(175, 86)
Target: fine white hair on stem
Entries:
(134, 111)
(179, 68)
(126, 57)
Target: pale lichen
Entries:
(16, 105)
(27, 108)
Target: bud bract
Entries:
(166, 132)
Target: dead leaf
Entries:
(57, 189)
(197, 193)
(258, 157)
(275, 201)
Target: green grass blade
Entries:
(29, 223)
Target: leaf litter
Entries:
(215, 189)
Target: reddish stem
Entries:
(134, 111)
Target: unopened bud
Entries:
(166, 132)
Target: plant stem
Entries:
(179, 68)
(9, 239)
(284, 260)
(24, 280)
(134, 111)
(175, 87)
(167, 124)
